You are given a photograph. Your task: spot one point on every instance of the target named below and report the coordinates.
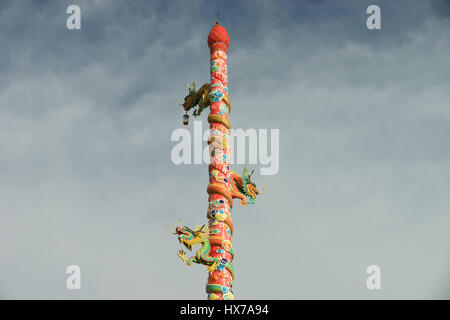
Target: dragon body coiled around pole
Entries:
(214, 265)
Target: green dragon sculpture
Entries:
(200, 97)
(199, 235)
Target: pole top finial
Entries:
(218, 34)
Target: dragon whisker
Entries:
(170, 229)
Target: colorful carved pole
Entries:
(216, 250)
(220, 281)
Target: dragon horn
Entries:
(179, 220)
(171, 229)
(187, 85)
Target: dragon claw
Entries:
(212, 267)
(181, 254)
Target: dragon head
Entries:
(189, 237)
(189, 99)
(249, 187)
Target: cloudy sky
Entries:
(86, 176)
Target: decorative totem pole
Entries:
(216, 251)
